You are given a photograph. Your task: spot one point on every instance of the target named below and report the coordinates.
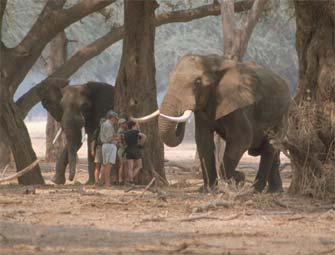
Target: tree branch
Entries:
(28, 100)
(251, 21)
(228, 28)
(199, 12)
(52, 20)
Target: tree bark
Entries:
(13, 127)
(311, 137)
(57, 57)
(135, 85)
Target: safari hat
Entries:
(111, 114)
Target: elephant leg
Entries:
(205, 145)
(265, 165)
(90, 160)
(231, 158)
(62, 161)
(238, 135)
(274, 179)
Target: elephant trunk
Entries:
(73, 143)
(172, 133)
(72, 128)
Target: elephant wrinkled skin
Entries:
(239, 101)
(76, 107)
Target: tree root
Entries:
(20, 173)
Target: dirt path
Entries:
(78, 219)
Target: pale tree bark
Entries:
(136, 86)
(311, 136)
(235, 43)
(57, 57)
(19, 60)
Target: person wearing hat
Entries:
(121, 150)
(96, 149)
(109, 140)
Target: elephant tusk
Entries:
(57, 135)
(186, 115)
(83, 135)
(145, 118)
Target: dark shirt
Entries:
(131, 137)
(96, 136)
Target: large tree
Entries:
(19, 60)
(311, 137)
(57, 57)
(136, 86)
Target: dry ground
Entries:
(78, 219)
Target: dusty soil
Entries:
(79, 219)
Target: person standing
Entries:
(96, 149)
(108, 139)
(134, 140)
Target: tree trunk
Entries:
(311, 137)
(135, 86)
(13, 128)
(57, 56)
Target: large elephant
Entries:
(76, 107)
(242, 102)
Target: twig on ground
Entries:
(174, 164)
(213, 204)
(330, 251)
(297, 217)
(20, 173)
(140, 195)
(208, 216)
(159, 249)
(4, 238)
(279, 203)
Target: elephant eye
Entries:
(197, 81)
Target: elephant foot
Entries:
(239, 177)
(275, 190)
(275, 186)
(60, 180)
(72, 174)
(90, 182)
(259, 186)
(275, 182)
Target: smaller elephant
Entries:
(241, 102)
(76, 107)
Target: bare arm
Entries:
(142, 138)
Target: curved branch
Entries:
(20, 173)
(52, 20)
(28, 100)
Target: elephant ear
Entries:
(238, 88)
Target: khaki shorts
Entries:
(109, 151)
(98, 154)
(121, 154)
